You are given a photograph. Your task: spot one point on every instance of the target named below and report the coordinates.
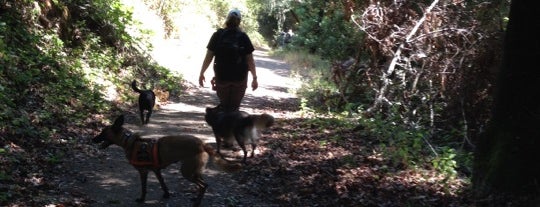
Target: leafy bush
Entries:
(405, 142)
(58, 61)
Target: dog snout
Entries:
(99, 138)
(105, 144)
(102, 138)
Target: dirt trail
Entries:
(108, 179)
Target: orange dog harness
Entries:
(145, 154)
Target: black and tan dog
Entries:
(155, 155)
(147, 100)
(237, 125)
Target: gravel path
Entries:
(107, 179)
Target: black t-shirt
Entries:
(224, 69)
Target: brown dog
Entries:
(237, 125)
(147, 154)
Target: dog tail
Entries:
(222, 164)
(134, 86)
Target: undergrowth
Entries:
(407, 145)
(64, 65)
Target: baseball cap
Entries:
(234, 13)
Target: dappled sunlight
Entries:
(172, 107)
(335, 161)
(107, 181)
(167, 123)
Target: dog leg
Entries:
(166, 193)
(144, 175)
(148, 116)
(142, 116)
(192, 171)
(253, 137)
(202, 190)
(218, 144)
(240, 140)
(253, 146)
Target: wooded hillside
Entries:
(416, 77)
(62, 65)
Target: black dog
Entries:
(147, 100)
(237, 125)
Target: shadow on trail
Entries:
(276, 105)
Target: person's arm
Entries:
(251, 67)
(207, 60)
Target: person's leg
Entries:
(236, 95)
(231, 94)
(223, 92)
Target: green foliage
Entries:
(322, 29)
(167, 10)
(4, 176)
(55, 158)
(403, 146)
(62, 67)
(409, 146)
(318, 92)
(349, 161)
(271, 16)
(231, 201)
(429, 101)
(403, 142)
(317, 124)
(446, 163)
(46, 81)
(321, 95)
(249, 17)
(113, 14)
(332, 122)
(4, 196)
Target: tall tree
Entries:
(507, 164)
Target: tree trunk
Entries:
(507, 159)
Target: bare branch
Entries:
(397, 55)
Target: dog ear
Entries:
(117, 126)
